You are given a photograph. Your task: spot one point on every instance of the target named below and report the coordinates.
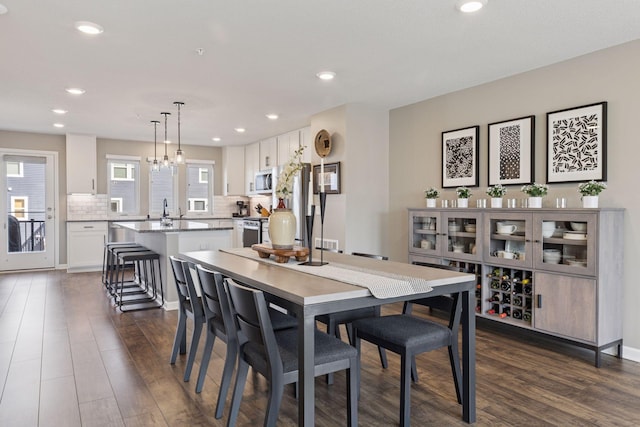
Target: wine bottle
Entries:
(527, 316)
(491, 311)
(506, 298)
(495, 284)
(517, 301)
(517, 314)
(495, 297)
(505, 286)
(527, 289)
(526, 281)
(517, 288)
(505, 313)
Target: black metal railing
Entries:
(31, 237)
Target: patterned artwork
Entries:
(460, 157)
(511, 150)
(576, 144)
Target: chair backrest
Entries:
(186, 288)
(252, 316)
(451, 304)
(215, 300)
(380, 257)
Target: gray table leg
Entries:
(468, 356)
(306, 351)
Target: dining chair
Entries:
(274, 354)
(334, 320)
(408, 335)
(189, 307)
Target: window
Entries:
(162, 186)
(15, 169)
(124, 186)
(199, 188)
(20, 207)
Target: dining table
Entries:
(345, 282)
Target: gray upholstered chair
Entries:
(275, 354)
(408, 335)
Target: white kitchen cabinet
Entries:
(268, 153)
(233, 170)
(85, 245)
(81, 164)
(238, 228)
(288, 143)
(306, 141)
(251, 166)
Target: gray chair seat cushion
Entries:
(280, 320)
(404, 331)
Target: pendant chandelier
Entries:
(179, 153)
(155, 165)
(165, 159)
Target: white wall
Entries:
(611, 75)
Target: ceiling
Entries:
(262, 56)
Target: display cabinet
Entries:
(553, 271)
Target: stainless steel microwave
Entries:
(264, 182)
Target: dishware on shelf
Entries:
(548, 228)
(506, 228)
(458, 248)
(574, 235)
(576, 262)
(425, 244)
(453, 227)
(578, 226)
(470, 228)
(551, 256)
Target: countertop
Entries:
(141, 218)
(177, 226)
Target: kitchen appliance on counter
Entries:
(243, 209)
(265, 181)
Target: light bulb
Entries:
(155, 166)
(179, 156)
(165, 160)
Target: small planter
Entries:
(463, 203)
(496, 202)
(590, 202)
(535, 202)
(431, 203)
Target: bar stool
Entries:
(116, 268)
(109, 262)
(146, 263)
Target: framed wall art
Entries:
(511, 151)
(331, 178)
(460, 157)
(577, 144)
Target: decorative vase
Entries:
(431, 203)
(590, 202)
(282, 228)
(463, 203)
(535, 202)
(496, 202)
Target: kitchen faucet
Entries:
(165, 205)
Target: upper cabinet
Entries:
(233, 170)
(306, 141)
(287, 145)
(268, 153)
(251, 166)
(81, 164)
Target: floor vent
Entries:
(329, 244)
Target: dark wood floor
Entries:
(68, 358)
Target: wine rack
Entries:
(509, 295)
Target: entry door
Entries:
(27, 240)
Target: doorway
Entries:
(28, 237)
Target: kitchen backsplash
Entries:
(89, 207)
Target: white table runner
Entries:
(381, 284)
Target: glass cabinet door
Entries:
(565, 242)
(424, 233)
(508, 239)
(460, 231)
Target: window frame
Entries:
(133, 175)
(172, 211)
(201, 165)
(20, 173)
(24, 210)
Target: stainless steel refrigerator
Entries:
(299, 201)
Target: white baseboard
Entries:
(171, 305)
(630, 353)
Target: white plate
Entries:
(574, 235)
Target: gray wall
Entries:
(610, 75)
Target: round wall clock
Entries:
(323, 143)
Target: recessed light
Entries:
(59, 111)
(75, 90)
(58, 125)
(216, 139)
(240, 130)
(272, 116)
(469, 6)
(3, 9)
(88, 27)
(326, 75)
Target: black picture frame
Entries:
(577, 144)
(331, 178)
(460, 166)
(511, 151)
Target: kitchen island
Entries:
(180, 236)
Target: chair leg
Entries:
(227, 372)
(383, 357)
(414, 370)
(454, 358)
(276, 390)
(405, 390)
(333, 329)
(241, 379)
(206, 356)
(195, 338)
(353, 392)
(179, 341)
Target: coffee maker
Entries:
(243, 209)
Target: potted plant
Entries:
(535, 192)
(496, 193)
(589, 192)
(431, 195)
(463, 196)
